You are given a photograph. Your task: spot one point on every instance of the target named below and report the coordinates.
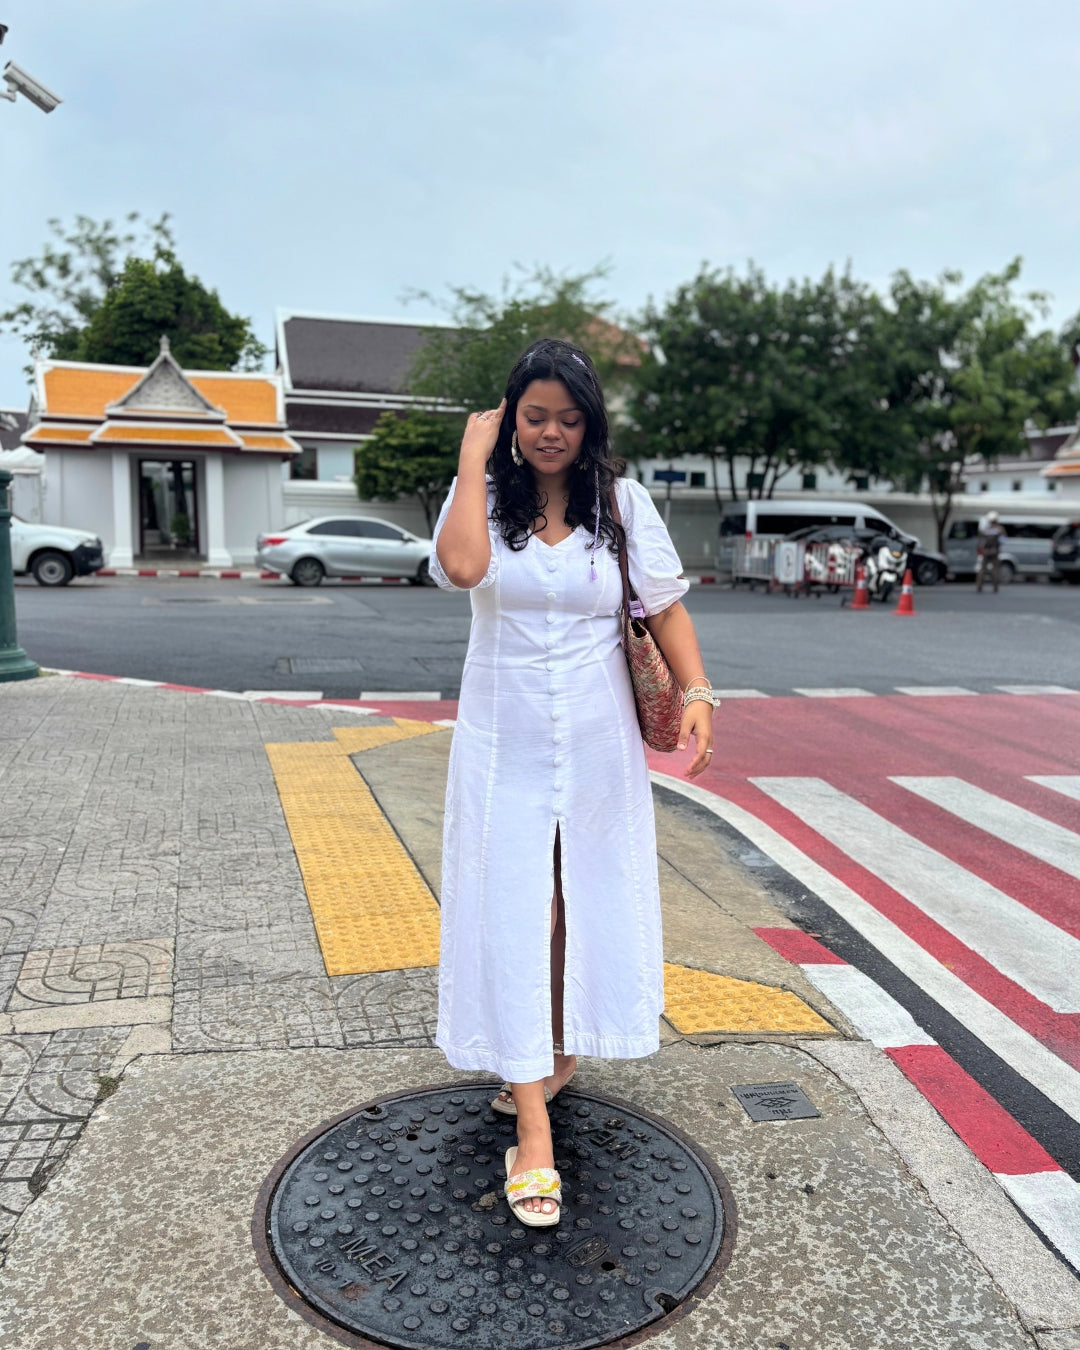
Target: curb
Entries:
(240, 574)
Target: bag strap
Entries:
(632, 606)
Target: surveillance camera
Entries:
(19, 82)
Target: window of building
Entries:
(755, 480)
(861, 482)
(697, 480)
(984, 487)
(1051, 486)
(304, 465)
(809, 482)
(1016, 485)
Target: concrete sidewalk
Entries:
(173, 894)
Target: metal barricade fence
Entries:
(830, 565)
(752, 560)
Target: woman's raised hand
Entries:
(481, 433)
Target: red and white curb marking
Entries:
(1042, 1190)
(284, 697)
(233, 574)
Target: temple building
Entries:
(162, 463)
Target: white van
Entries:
(776, 520)
(1026, 550)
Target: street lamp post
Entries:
(14, 662)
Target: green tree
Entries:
(742, 370)
(969, 372)
(415, 454)
(465, 366)
(85, 267)
(155, 297)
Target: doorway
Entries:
(168, 509)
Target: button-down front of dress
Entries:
(547, 739)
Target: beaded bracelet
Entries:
(696, 693)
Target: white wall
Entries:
(253, 502)
(79, 492)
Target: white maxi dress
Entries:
(547, 737)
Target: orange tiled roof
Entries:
(119, 431)
(1062, 470)
(252, 442)
(250, 400)
(84, 391)
(59, 433)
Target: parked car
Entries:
(1065, 553)
(1025, 550)
(344, 546)
(53, 554)
(927, 566)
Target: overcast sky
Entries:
(331, 155)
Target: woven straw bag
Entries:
(656, 690)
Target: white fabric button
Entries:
(557, 760)
(555, 715)
(558, 787)
(551, 618)
(557, 738)
(550, 645)
(552, 690)
(550, 665)
(551, 595)
(552, 566)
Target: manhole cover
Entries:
(391, 1223)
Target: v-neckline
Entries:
(560, 542)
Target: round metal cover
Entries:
(389, 1226)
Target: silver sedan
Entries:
(344, 546)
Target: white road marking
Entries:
(1033, 689)
(1021, 944)
(1022, 829)
(446, 722)
(1066, 783)
(1051, 1200)
(873, 1013)
(396, 696)
(834, 693)
(740, 693)
(933, 690)
(292, 695)
(1055, 1079)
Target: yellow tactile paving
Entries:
(699, 1001)
(353, 739)
(372, 908)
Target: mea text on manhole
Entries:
(775, 1101)
(391, 1224)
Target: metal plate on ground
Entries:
(775, 1101)
(391, 1225)
(317, 665)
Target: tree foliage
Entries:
(466, 364)
(411, 455)
(908, 386)
(98, 287)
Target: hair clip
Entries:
(578, 359)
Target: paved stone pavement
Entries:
(152, 909)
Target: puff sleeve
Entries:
(435, 567)
(654, 566)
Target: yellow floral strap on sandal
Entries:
(543, 1182)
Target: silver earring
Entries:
(515, 453)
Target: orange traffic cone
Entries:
(861, 599)
(907, 596)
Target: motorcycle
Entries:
(885, 562)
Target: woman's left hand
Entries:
(697, 722)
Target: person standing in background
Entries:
(988, 556)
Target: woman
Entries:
(550, 904)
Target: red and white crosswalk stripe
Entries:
(1035, 1183)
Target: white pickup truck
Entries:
(53, 554)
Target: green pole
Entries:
(14, 662)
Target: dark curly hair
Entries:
(518, 502)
